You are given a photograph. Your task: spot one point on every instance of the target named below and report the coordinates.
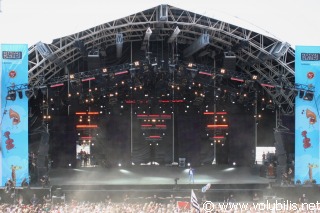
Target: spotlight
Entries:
(11, 95)
(301, 93)
(136, 63)
(190, 65)
(254, 77)
(20, 94)
(28, 93)
(308, 95)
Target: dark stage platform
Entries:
(156, 175)
(145, 181)
(142, 182)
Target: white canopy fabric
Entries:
(30, 21)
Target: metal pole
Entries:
(214, 120)
(214, 133)
(131, 116)
(255, 126)
(173, 133)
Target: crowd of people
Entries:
(123, 207)
(127, 204)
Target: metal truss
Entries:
(268, 58)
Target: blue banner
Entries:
(14, 114)
(307, 74)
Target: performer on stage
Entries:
(191, 175)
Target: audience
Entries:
(108, 206)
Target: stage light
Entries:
(301, 93)
(308, 95)
(28, 93)
(11, 95)
(254, 77)
(136, 63)
(20, 94)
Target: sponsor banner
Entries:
(307, 73)
(14, 114)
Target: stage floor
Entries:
(156, 175)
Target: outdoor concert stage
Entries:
(142, 182)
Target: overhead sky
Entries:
(29, 21)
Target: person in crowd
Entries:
(46, 199)
(255, 198)
(34, 200)
(231, 199)
(303, 199)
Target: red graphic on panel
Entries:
(14, 116)
(9, 141)
(311, 116)
(12, 74)
(310, 75)
(306, 140)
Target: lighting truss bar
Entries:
(93, 113)
(237, 79)
(57, 85)
(121, 72)
(217, 137)
(150, 126)
(171, 101)
(86, 137)
(161, 126)
(146, 125)
(217, 126)
(215, 113)
(153, 116)
(88, 79)
(205, 73)
(81, 113)
(153, 139)
(87, 113)
(91, 126)
(130, 102)
(267, 85)
(154, 136)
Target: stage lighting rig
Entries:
(11, 95)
